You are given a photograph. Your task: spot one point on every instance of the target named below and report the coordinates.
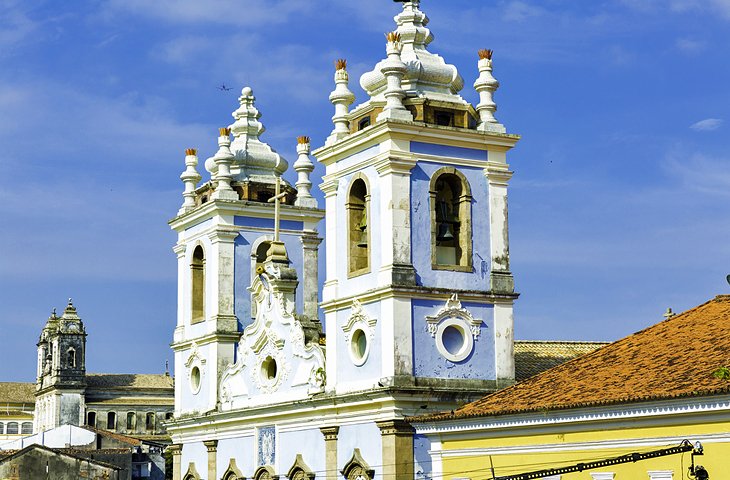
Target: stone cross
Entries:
(277, 251)
(276, 200)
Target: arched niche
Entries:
(232, 472)
(451, 220)
(358, 218)
(300, 470)
(357, 468)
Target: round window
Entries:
(195, 379)
(454, 339)
(269, 369)
(359, 347)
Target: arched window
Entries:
(358, 231)
(197, 273)
(12, 428)
(91, 419)
(131, 421)
(264, 473)
(71, 358)
(111, 421)
(149, 423)
(261, 253)
(357, 469)
(300, 470)
(26, 428)
(451, 242)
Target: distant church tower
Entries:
(61, 371)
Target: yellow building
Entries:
(17, 401)
(648, 391)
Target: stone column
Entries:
(176, 454)
(397, 439)
(212, 446)
(310, 288)
(395, 222)
(330, 451)
(219, 287)
(498, 176)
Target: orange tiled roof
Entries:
(536, 356)
(674, 358)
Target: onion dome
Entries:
(427, 74)
(254, 161)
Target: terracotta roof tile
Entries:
(124, 380)
(17, 392)
(674, 358)
(536, 356)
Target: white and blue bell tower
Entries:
(418, 287)
(225, 230)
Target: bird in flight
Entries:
(223, 88)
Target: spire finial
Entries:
(669, 314)
(394, 70)
(70, 302)
(486, 85)
(190, 178)
(304, 167)
(223, 160)
(341, 97)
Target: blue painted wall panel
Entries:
(258, 222)
(242, 271)
(448, 151)
(429, 363)
(478, 278)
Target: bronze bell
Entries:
(363, 227)
(445, 232)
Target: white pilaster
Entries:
(395, 219)
(504, 342)
(498, 176)
(329, 188)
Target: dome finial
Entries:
(304, 167)
(190, 178)
(394, 69)
(341, 97)
(486, 85)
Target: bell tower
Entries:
(61, 377)
(227, 228)
(418, 287)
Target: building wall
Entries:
(36, 464)
(520, 450)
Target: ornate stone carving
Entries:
(453, 309)
(358, 318)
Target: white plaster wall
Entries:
(309, 443)
(366, 437)
(241, 449)
(197, 453)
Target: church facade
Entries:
(417, 296)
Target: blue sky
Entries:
(619, 203)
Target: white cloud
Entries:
(700, 172)
(517, 11)
(225, 12)
(15, 25)
(690, 46)
(707, 125)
